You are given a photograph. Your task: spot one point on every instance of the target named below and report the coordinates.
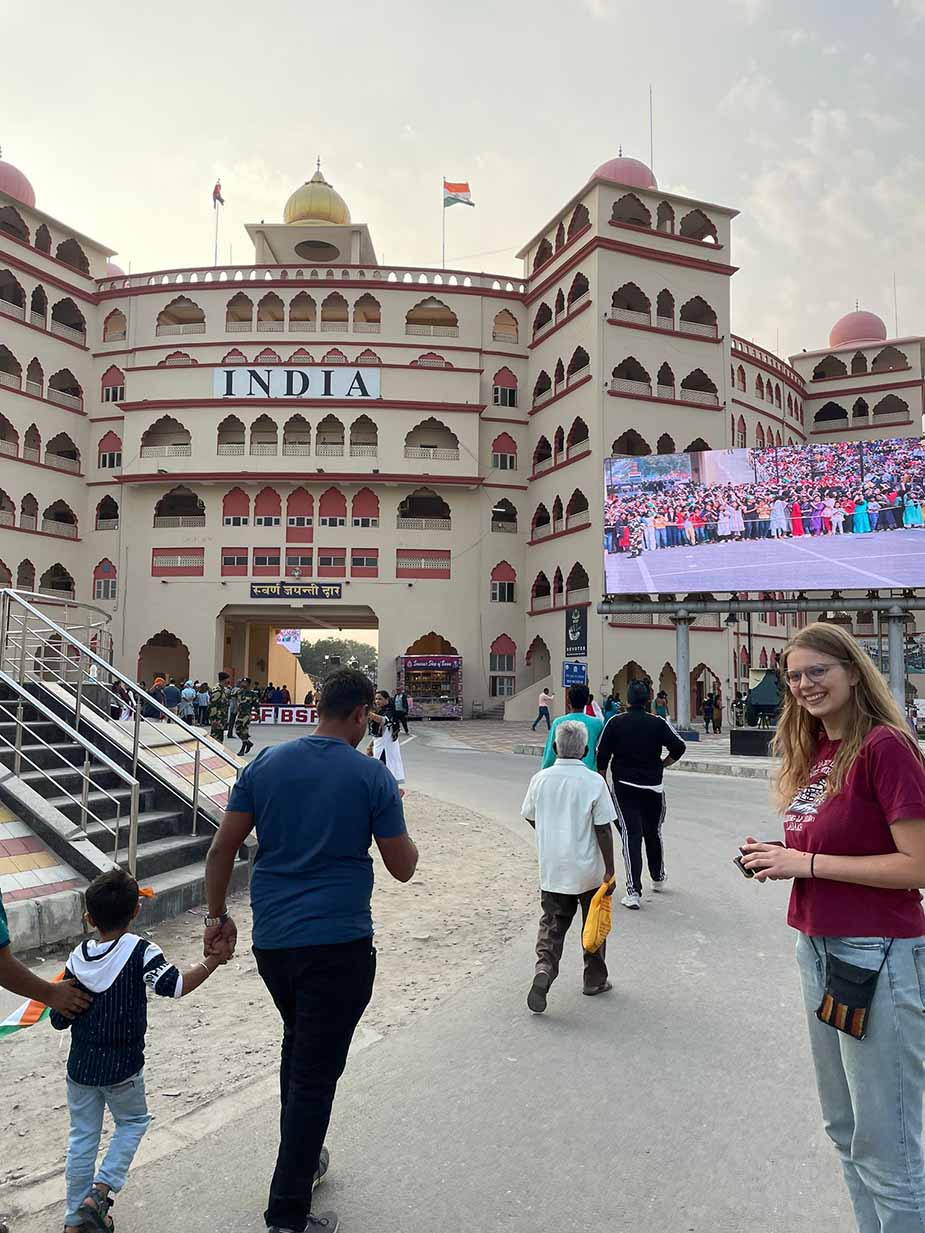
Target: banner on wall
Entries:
(291, 715)
(290, 640)
(576, 632)
(342, 381)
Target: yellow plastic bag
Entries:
(600, 919)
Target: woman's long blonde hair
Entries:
(798, 732)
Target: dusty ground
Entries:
(474, 889)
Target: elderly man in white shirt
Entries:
(572, 811)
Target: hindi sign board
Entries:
(782, 518)
(296, 590)
(574, 673)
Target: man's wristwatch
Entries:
(212, 921)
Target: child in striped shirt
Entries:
(105, 1067)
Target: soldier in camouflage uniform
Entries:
(219, 701)
(248, 700)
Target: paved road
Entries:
(680, 1103)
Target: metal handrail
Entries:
(91, 754)
(93, 677)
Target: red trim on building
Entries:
(866, 427)
(557, 466)
(665, 235)
(559, 252)
(107, 419)
(89, 297)
(510, 487)
(498, 419)
(164, 404)
(557, 608)
(790, 425)
(302, 284)
(846, 376)
(861, 391)
(656, 329)
(668, 402)
(561, 394)
(255, 363)
(27, 462)
(44, 401)
(564, 320)
(533, 543)
(342, 477)
(45, 333)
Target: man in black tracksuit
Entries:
(637, 747)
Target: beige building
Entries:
(315, 440)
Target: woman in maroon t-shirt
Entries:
(851, 787)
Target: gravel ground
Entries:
(475, 886)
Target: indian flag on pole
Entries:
(457, 194)
(26, 1016)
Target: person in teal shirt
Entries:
(578, 698)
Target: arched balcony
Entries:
(858, 364)
(697, 226)
(367, 315)
(505, 327)
(540, 523)
(59, 519)
(542, 319)
(264, 438)
(665, 444)
(697, 387)
(578, 292)
(629, 377)
(25, 576)
(61, 452)
(297, 437)
(115, 326)
(891, 408)
(107, 515)
(67, 321)
(7, 511)
(697, 317)
(631, 444)
(630, 303)
(9, 438)
(12, 296)
(70, 252)
(57, 581)
(43, 239)
(32, 444)
(180, 508)
(665, 382)
(542, 455)
(231, 438)
(38, 308)
(664, 310)
(664, 218)
(577, 512)
(542, 387)
(364, 438)
(239, 314)
(271, 314)
(832, 414)
(29, 513)
(630, 210)
(578, 439)
(890, 359)
(302, 314)
(423, 510)
(542, 254)
(577, 585)
(11, 223)
(431, 316)
(829, 366)
(579, 221)
(334, 314)
(432, 440)
(577, 365)
(329, 438)
(540, 593)
(166, 438)
(181, 316)
(10, 369)
(65, 390)
(504, 517)
(860, 410)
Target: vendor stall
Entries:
(434, 683)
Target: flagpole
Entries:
(215, 256)
(443, 208)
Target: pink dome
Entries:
(15, 184)
(627, 171)
(113, 270)
(858, 327)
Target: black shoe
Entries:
(324, 1163)
(326, 1221)
(536, 998)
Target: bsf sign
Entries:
(344, 381)
(292, 715)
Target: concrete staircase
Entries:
(170, 857)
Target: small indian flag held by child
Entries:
(457, 194)
(26, 1016)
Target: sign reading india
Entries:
(340, 381)
(296, 590)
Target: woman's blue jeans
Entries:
(872, 1090)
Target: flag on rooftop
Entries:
(217, 198)
(457, 194)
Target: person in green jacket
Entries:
(577, 699)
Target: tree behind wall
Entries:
(318, 659)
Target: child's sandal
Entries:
(96, 1214)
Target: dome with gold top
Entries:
(316, 202)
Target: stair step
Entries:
(152, 824)
(181, 890)
(103, 804)
(163, 855)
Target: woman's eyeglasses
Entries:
(814, 673)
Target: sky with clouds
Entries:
(803, 114)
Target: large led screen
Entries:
(844, 516)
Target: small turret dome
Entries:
(627, 171)
(15, 184)
(857, 327)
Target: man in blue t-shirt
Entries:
(578, 698)
(317, 804)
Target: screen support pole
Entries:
(683, 666)
(896, 634)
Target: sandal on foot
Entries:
(604, 988)
(95, 1211)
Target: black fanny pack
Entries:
(849, 993)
